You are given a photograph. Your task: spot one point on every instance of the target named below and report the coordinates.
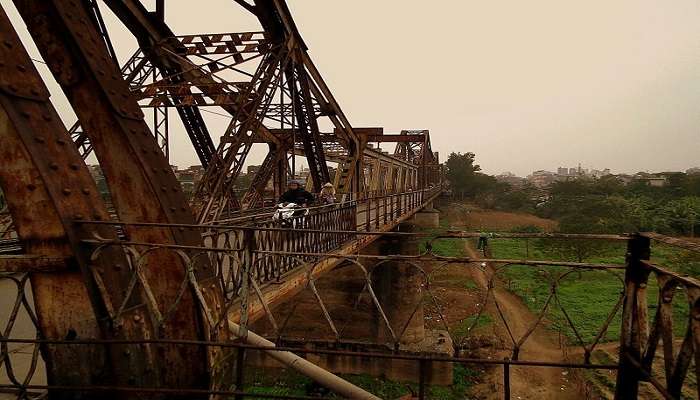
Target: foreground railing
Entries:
(251, 259)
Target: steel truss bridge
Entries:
(156, 298)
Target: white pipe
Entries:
(304, 367)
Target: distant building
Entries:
(189, 178)
(252, 169)
(654, 180)
(511, 179)
(542, 178)
(563, 171)
(693, 171)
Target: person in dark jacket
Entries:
(296, 194)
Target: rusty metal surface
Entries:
(135, 170)
(153, 292)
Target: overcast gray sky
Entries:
(525, 85)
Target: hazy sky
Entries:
(525, 85)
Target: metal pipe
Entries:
(304, 367)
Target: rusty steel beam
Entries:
(47, 186)
(141, 183)
(31, 263)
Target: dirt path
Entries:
(542, 345)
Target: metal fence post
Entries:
(506, 379)
(423, 366)
(634, 332)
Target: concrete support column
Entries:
(398, 287)
(427, 218)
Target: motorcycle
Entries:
(290, 215)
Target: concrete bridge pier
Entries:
(398, 286)
(428, 217)
(400, 289)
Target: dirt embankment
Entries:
(474, 218)
(541, 344)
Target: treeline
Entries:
(604, 205)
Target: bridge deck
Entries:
(282, 274)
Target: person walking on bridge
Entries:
(327, 194)
(297, 195)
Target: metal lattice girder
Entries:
(48, 186)
(141, 183)
(215, 190)
(230, 44)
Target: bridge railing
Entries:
(325, 229)
(650, 348)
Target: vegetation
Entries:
(269, 382)
(587, 296)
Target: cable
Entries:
(216, 113)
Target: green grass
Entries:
(462, 329)
(284, 382)
(443, 247)
(587, 296)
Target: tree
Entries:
(462, 173)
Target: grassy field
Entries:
(285, 382)
(588, 297)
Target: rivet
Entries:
(31, 187)
(134, 131)
(144, 151)
(74, 167)
(46, 117)
(163, 188)
(34, 92)
(117, 267)
(79, 216)
(21, 68)
(66, 191)
(697, 317)
(53, 166)
(86, 191)
(127, 353)
(642, 285)
(7, 44)
(136, 115)
(97, 217)
(25, 114)
(112, 92)
(39, 139)
(101, 72)
(137, 318)
(12, 88)
(183, 208)
(165, 170)
(173, 209)
(155, 152)
(175, 189)
(668, 299)
(61, 142)
(182, 229)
